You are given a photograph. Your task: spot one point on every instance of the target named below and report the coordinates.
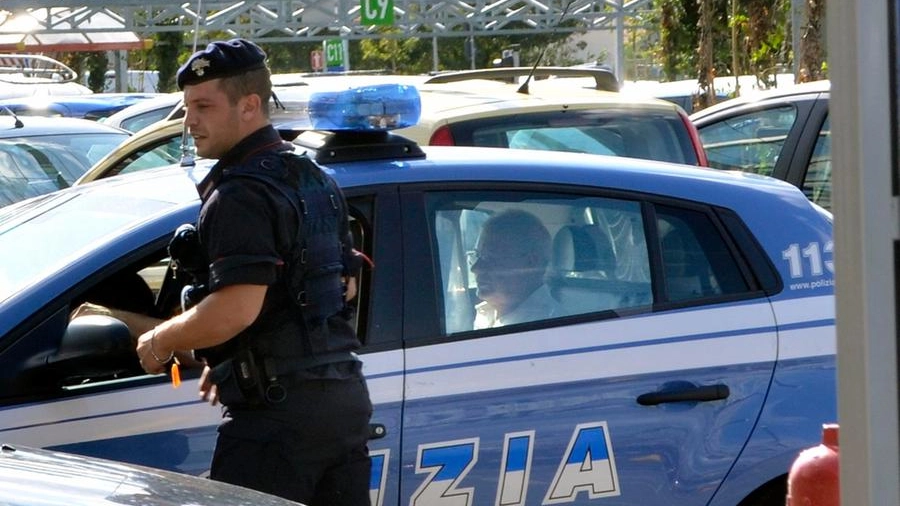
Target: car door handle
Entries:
(685, 394)
(377, 431)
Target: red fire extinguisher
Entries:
(813, 479)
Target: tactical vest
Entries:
(318, 331)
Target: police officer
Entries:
(273, 329)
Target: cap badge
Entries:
(198, 66)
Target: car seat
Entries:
(581, 274)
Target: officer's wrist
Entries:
(156, 356)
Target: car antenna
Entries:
(187, 158)
(524, 87)
(18, 123)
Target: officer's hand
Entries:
(147, 353)
(208, 390)
(349, 288)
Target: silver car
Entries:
(32, 477)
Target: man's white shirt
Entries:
(540, 305)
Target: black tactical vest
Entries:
(317, 329)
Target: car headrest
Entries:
(583, 249)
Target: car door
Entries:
(376, 227)
(810, 162)
(76, 387)
(757, 137)
(642, 391)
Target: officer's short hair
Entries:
(255, 81)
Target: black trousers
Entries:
(312, 448)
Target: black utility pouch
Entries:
(238, 381)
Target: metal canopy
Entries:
(42, 30)
(310, 20)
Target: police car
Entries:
(694, 358)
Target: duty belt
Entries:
(278, 367)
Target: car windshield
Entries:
(44, 235)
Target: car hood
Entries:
(32, 477)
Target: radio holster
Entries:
(239, 380)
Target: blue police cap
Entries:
(221, 59)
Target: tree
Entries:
(97, 63)
(812, 49)
(677, 21)
(706, 67)
(395, 54)
(766, 41)
(166, 53)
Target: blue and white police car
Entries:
(693, 359)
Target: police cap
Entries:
(221, 59)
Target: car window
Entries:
(139, 121)
(649, 135)
(697, 262)
(817, 183)
(597, 256)
(750, 142)
(163, 153)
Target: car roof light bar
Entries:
(377, 107)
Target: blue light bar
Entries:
(366, 108)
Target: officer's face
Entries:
(213, 122)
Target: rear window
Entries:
(650, 135)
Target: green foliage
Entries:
(679, 37)
(167, 53)
(289, 57)
(395, 54)
(97, 63)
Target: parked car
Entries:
(683, 92)
(691, 360)
(473, 108)
(40, 154)
(146, 112)
(34, 477)
(784, 133)
(94, 106)
(469, 108)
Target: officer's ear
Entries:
(250, 104)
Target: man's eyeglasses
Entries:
(474, 256)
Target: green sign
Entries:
(334, 53)
(377, 12)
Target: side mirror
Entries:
(93, 347)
